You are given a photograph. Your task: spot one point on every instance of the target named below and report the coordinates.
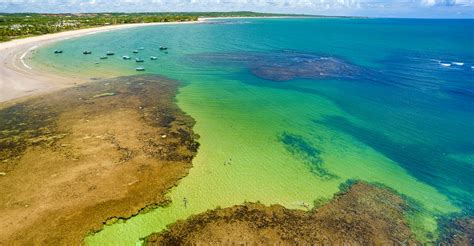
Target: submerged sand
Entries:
(81, 157)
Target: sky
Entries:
(370, 8)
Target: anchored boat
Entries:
(103, 57)
(87, 52)
(163, 48)
(110, 53)
(58, 51)
(135, 51)
(126, 57)
(140, 69)
(153, 58)
(139, 60)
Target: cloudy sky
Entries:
(378, 8)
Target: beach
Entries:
(18, 79)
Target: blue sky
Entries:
(376, 8)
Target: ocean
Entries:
(289, 109)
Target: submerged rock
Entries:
(106, 94)
(286, 65)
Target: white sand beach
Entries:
(18, 79)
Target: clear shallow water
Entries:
(406, 121)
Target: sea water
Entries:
(389, 111)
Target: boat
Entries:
(163, 48)
(110, 53)
(126, 57)
(103, 57)
(139, 60)
(140, 69)
(58, 51)
(141, 48)
(135, 51)
(153, 58)
(87, 52)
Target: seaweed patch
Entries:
(311, 156)
(286, 65)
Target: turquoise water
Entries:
(391, 101)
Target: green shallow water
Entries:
(297, 141)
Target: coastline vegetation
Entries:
(20, 25)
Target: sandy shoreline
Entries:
(19, 80)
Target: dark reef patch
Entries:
(310, 155)
(457, 231)
(286, 65)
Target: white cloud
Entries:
(325, 7)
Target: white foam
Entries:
(458, 63)
(24, 54)
(445, 64)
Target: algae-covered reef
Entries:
(280, 66)
(73, 159)
(458, 231)
(361, 215)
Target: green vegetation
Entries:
(21, 25)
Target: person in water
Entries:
(185, 201)
(228, 161)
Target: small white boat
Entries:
(141, 48)
(153, 58)
(126, 57)
(135, 51)
(140, 69)
(139, 60)
(58, 51)
(103, 57)
(163, 48)
(87, 52)
(110, 53)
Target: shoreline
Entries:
(19, 80)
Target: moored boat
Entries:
(163, 48)
(58, 51)
(139, 60)
(87, 52)
(103, 57)
(140, 69)
(135, 51)
(153, 58)
(126, 57)
(110, 53)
